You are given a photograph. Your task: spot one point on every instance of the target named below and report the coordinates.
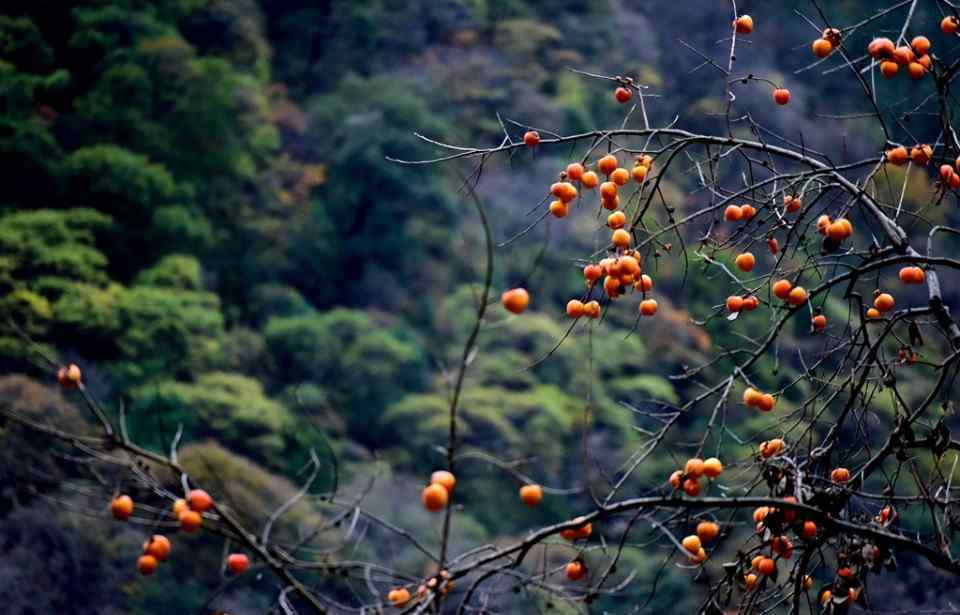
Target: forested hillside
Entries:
(197, 207)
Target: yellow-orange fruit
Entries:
(712, 467)
(575, 570)
(691, 487)
(147, 564)
(889, 69)
(693, 467)
(399, 597)
(840, 475)
(880, 48)
(531, 495)
(821, 47)
(949, 25)
(607, 164)
(692, 543)
(743, 24)
(819, 322)
(648, 307)
(531, 138)
(921, 154)
(746, 261)
(616, 220)
(898, 156)
(766, 402)
(574, 171)
(122, 507)
(158, 546)
(620, 176)
(639, 173)
(792, 203)
(920, 45)
(912, 275)
(445, 479)
(734, 303)
(873, 313)
(589, 180)
(515, 300)
(781, 289)
(190, 521)
(884, 302)
(781, 96)
(707, 530)
(575, 308)
(797, 296)
(434, 497)
(732, 213)
(558, 209)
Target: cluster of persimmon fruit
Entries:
(693, 470)
(915, 56)
(188, 511)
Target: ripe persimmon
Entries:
(575, 570)
(445, 479)
(616, 220)
(648, 307)
(190, 521)
(676, 478)
(237, 563)
(880, 48)
(691, 487)
(819, 322)
(751, 397)
(575, 308)
(589, 180)
(797, 296)
(767, 567)
(158, 546)
(884, 302)
(821, 47)
(558, 209)
(898, 155)
(592, 273)
(771, 448)
(122, 507)
(792, 203)
(732, 213)
(398, 597)
(531, 495)
(920, 45)
(766, 402)
(646, 283)
(781, 289)
(622, 94)
(620, 238)
(707, 530)
(743, 24)
(435, 497)
(620, 176)
(694, 467)
(515, 300)
(921, 154)
(591, 309)
(750, 581)
(639, 173)
(748, 211)
(531, 138)
(734, 303)
(949, 25)
(840, 475)
(809, 530)
(916, 70)
(692, 543)
(574, 171)
(147, 564)
(746, 261)
(773, 245)
(781, 96)
(750, 303)
(889, 69)
(200, 500)
(712, 467)
(873, 313)
(903, 55)
(912, 275)
(70, 376)
(607, 164)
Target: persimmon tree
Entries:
(804, 511)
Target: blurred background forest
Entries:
(197, 209)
